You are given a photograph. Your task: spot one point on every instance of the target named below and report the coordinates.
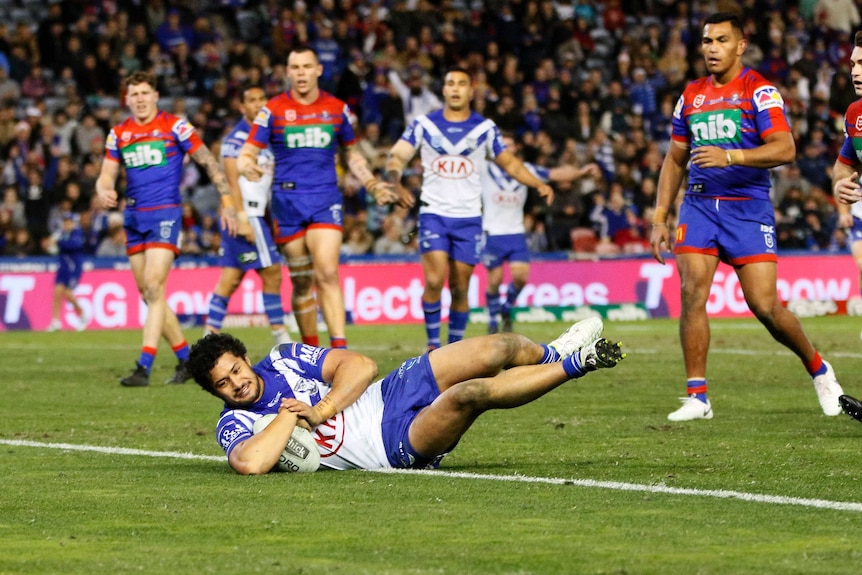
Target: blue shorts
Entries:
(407, 391)
(736, 231)
(158, 228)
(460, 238)
(293, 213)
(505, 248)
(237, 252)
(69, 271)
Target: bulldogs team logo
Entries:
(698, 100)
(859, 122)
(290, 115)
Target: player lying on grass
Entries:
(411, 418)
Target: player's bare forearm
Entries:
(106, 195)
(203, 157)
(381, 191)
(350, 373)
(845, 186)
(259, 453)
(778, 149)
(246, 162)
(399, 155)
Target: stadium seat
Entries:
(584, 240)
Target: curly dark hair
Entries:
(204, 354)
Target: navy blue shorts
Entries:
(460, 238)
(736, 231)
(505, 248)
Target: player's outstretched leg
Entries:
(577, 336)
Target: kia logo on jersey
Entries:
(452, 167)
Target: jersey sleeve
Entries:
(112, 150)
(497, 146)
(231, 145)
(413, 133)
(301, 358)
(852, 135)
(261, 128)
(680, 132)
(234, 427)
(346, 136)
(189, 142)
(541, 172)
(769, 110)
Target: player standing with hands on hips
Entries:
(732, 126)
(455, 144)
(150, 145)
(253, 247)
(304, 127)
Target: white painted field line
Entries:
(614, 485)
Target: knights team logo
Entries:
(767, 97)
(698, 100)
(165, 229)
(290, 115)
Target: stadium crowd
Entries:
(576, 81)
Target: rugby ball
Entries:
(300, 455)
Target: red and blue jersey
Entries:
(738, 115)
(152, 154)
(304, 139)
(851, 151)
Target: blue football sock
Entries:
(432, 322)
(217, 311)
(457, 325)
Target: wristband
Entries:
(325, 408)
(227, 201)
(729, 158)
(660, 216)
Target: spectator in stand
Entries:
(114, 244)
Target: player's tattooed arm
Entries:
(204, 158)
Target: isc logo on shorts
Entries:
(452, 167)
(145, 155)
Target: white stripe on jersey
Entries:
(452, 171)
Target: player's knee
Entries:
(151, 292)
(765, 311)
(471, 396)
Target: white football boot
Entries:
(577, 336)
(828, 391)
(693, 408)
(601, 354)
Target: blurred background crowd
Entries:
(576, 81)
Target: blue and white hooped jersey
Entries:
(255, 195)
(503, 199)
(454, 157)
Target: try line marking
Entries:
(615, 485)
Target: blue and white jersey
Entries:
(255, 195)
(503, 199)
(454, 157)
(351, 439)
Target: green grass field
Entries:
(603, 446)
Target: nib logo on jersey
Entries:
(145, 155)
(718, 127)
(308, 136)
